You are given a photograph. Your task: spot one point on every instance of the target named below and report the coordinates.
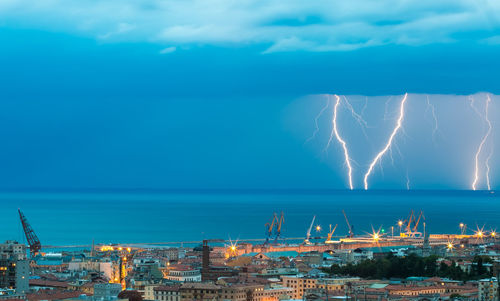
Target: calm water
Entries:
(70, 218)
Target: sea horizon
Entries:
(64, 218)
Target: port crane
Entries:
(308, 234)
(330, 234)
(273, 228)
(412, 223)
(351, 231)
(277, 229)
(33, 241)
(269, 229)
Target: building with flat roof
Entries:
(13, 249)
(488, 289)
(167, 293)
(183, 273)
(14, 267)
(106, 291)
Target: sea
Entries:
(149, 217)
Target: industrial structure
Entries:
(33, 241)
(14, 267)
(273, 228)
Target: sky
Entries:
(219, 94)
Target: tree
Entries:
(411, 265)
(130, 295)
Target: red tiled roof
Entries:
(53, 295)
(48, 283)
(180, 267)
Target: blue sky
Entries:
(197, 94)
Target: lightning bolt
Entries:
(488, 169)
(335, 133)
(386, 111)
(480, 148)
(359, 118)
(365, 106)
(389, 142)
(471, 103)
(316, 129)
(407, 181)
(434, 117)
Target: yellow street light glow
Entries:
(480, 233)
(318, 228)
(461, 225)
(449, 246)
(400, 223)
(233, 248)
(493, 234)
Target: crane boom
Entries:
(308, 234)
(31, 238)
(351, 233)
(278, 227)
(270, 227)
(408, 226)
(330, 234)
(418, 221)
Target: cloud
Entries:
(168, 50)
(319, 25)
(121, 29)
(494, 40)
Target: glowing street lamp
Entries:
(449, 246)
(400, 224)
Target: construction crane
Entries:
(412, 223)
(270, 227)
(351, 231)
(277, 229)
(330, 234)
(417, 221)
(308, 234)
(33, 241)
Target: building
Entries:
(488, 289)
(210, 272)
(167, 293)
(335, 284)
(13, 249)
(299, 285)
(235, 292)
(313, 258)
(203, 291)
(302, 284)
(109, 269)
(183, 273)
(106, 291)
(14, 267)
